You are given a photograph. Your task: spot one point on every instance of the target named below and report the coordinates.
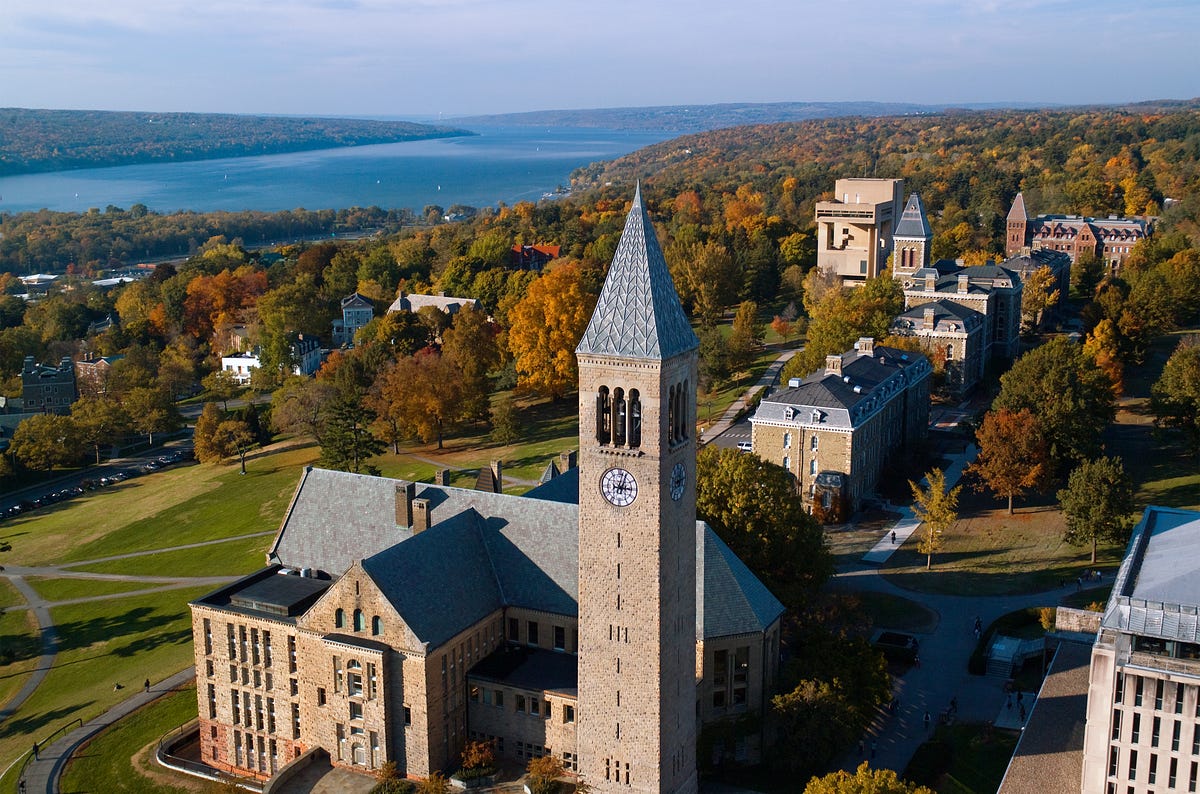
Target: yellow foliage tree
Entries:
(1103, 346)
(546, 325)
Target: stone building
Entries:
(591, 618)
(912, 240)
(992, 291)
(46, 389)
(854, 229)
(1109, 239)
(92, 373)
(839, 426)
(1059, 263)
(952, 336)
(1143, 706)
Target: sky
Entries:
(421, 58)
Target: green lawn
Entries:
(103, 643)
(895, 612)
(963, 759)
(233, 558)
(57, 589)
(182, 505)
(111, 762)
(19, 637)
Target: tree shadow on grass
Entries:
(34, 726)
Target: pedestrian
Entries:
(893, 537)
(1022, 712)
(35, 751)
(874, 748)
(1078, 583)
(927, 721)
(146, 686)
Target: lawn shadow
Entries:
(33, 726)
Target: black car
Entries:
(897, 647)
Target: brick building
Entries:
(1109, 239)
(591, 618)
(46, 389)
(835, 429)
(1143, 705)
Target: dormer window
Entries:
(789, 414)
(816, 417)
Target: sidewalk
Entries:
(727, 418)
(42, 775)
(882, 551)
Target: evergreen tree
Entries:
(347, 442)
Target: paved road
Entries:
(768, 378)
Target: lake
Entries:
(499, 164)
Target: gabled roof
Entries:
(731, 600)
(638, 314)
(944, 313)
(1018, 213)
(913, 223)
(357, 301)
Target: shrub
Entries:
(478, 755)
(1046, 616)
(543, 773)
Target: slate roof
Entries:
(483, 552)
(1156, 593)
(913, 223)
(1025, 264)
(638, 314)
(944, 313)
(446, 303)
(835, 397)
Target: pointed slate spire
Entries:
(913, 223)
(1018, 213)
(638, 314)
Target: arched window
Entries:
(360, 620)
(619, 417)
(377, 625)
(339, 619)
(685, 420)
(671, 414)
(603, 416)
(635, 419)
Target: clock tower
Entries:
(636, 724)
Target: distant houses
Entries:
(306, 360)
(1109, 239)
(357, 311)
(533, 257)
(441, 301)
(48, 389)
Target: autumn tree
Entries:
(150, 411)
(1013, 454)
(301, 407)
(234, 437)
(753, 506)
(1103, 345)
(745, 337)
(843, 316)
(937, 510)
(865, 780)
(1071, 397)
(207, 451)
(706, 279)
(470, 345)
(100, 421)
(1097, 503)
(221, 385)
(543, 774)
(1038, 295)
(423, 394)
(1175, 396)
(506, 421)
(547, 325)
(46, 441)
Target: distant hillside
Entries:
(699, 118)
(57, 140)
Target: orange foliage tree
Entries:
(1014, 455)
(547, 325)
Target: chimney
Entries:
(963, 282)
(29, 365)
(405, 493)
(421, 515)
(441, 293)
(929, 318)
(930, 282)
(833, 364)
(443, 477)
(566, 460)
(498, 476)
(865, 346)
(66, 364)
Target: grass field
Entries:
(58, 589)
(963, 759)
(231, 558)
(112, 761)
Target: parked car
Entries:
(897, 647)
(745, 446)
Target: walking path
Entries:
(767, 378)
(893, 539)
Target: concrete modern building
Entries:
(854, 230)
(1143, 713)
(592, 619)
(835, 429)
(1110, 239)
(46, 389)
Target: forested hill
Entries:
(697, 118)
(56, 140)
(967, 166)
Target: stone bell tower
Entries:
(636, 724)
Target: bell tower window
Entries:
(671, 415)
(603, 416)
(635, 419)
(619, 417)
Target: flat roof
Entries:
(536, 669)
(270, 593)
(1156, 592)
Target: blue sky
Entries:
(456, 57)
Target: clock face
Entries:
(619, 487)
(678, 481)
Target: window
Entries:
(320, 696)
(533, 706)
(356, 711)
(291, 654)
(360, 620)
(1179, 698)
(569, 716)
(1155, 732)
(339, 618)
(500, 698)
(1119, 697)
(293, 687)
(212, 703)
(546, 709)
(520, 704)
(1158, 694)
(1135, 735)
(787, 462)
(1175, 737)
(813, 444)
(1116, 725)
(237, 711)
(407, 716)
(787, 440)
(1153, 778)
(560, 632)
(1133, 764)
(376, 625)
(532, 628)
(1137, 693)
(207, 636)
(514, 630)
(812, 466)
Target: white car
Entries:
(745, 446)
